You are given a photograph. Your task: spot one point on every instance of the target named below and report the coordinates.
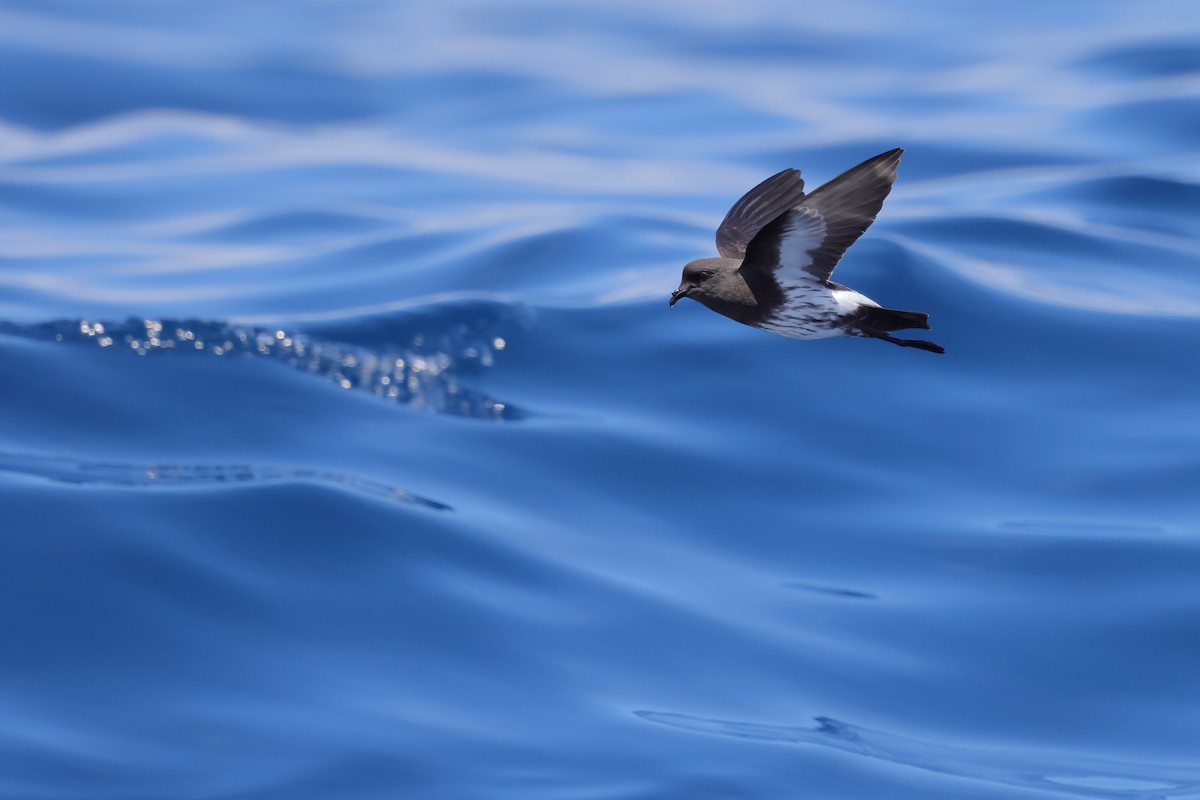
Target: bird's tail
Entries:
(885, 320)
(879, 322)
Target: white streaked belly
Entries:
(814, 311)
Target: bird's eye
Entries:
(705, 275)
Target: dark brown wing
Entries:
(848, 204)
(804, 244)
(758, 207)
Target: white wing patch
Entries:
(803, 233)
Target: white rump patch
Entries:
(849, 301)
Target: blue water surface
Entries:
(348, 448)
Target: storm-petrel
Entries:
(778, 248)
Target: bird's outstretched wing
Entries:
(806, 242)
(758, 207)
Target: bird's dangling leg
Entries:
(917, 343)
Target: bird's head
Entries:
(700, 278)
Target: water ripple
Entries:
(1076, 775)
(427, 369)
(115, 474)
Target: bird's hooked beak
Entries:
(679, 293)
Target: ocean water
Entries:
(349, 449)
